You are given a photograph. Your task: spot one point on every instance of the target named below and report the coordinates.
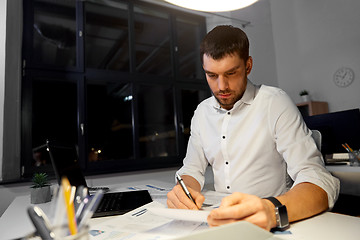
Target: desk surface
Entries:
(14, 223)
(343, 168)
(349, 177)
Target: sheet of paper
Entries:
(181, 214)
(141, 224)
(212, 199)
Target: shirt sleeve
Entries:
(295, 143)
(195, 162)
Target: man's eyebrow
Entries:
(208, 72)
(229, 70)
(233, 69)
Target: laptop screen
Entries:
(65, 163)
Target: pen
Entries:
(78, 197)
(82, 193)
(349, 149)
(69, 205)
(183, 186)
(90, 208)
(41, 222)
(60, 211)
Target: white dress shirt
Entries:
(254, 147)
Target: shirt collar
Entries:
(248, 97)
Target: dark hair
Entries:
(225, 40)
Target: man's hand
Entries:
(177, 198)
(240, 206)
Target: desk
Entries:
(15, 223)
(349, 178)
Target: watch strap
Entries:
(276, 202)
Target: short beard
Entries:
(222, 105)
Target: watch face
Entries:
(343, 77)
(282, 217)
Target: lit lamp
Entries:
(212, 5)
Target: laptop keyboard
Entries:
(109, 202)
(117, 203)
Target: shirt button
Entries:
(223, 137)
(228, 187)
(226, 163)
(228, 113)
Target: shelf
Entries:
(313, 108)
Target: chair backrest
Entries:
(316, 134)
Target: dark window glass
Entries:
(152, 42)
(54, 114)
(54, 31)
(157, 133)
(109, 76)
(190, 98)
(109, 117)
(188, 40)
(107, 36)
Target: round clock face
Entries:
(343, 77)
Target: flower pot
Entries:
(40, 195)
(305, 98)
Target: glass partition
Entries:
(109, 121)
(54, 116)
(152, 41)
(188, 33)
(119, 79)
(54, 33)
(157, 133)
(107, 36)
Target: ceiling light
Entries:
(212, 5)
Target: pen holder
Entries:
(62, 233)
(354, 158)
(82, 234)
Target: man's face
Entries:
(227, 78)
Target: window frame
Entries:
(80, 74)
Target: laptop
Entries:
(64, 159)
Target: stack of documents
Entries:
(145, 223)
(155, 221)
(337, 159)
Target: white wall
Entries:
(312, 40)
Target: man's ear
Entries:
(249, 64)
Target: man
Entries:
(256, 142)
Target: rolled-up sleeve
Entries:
(294, 141)
(194, 163)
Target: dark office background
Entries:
(120, 81)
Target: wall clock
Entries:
(343, 77)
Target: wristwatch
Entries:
(282, 220)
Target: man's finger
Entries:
(179, 199)
(233, 199)
(238, 211)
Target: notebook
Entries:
(64, 159)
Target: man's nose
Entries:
(222, 83)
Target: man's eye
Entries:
(211, 75)
(230, 73)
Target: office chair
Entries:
(316, 134)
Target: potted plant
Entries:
(305, 95)
(40, 190)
